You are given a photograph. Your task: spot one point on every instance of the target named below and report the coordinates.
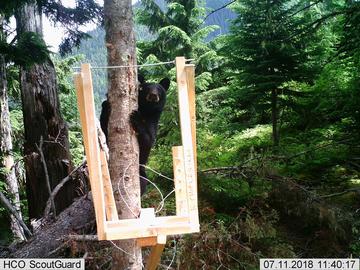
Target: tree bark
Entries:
(42, 119)
(274, 117)
(123, 145)
(6, 158)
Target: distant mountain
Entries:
(95, 52)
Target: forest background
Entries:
(278, 121)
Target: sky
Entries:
(54, 34)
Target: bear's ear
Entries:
(165, 83)
(141, 79)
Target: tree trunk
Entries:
(274, 117)
(42, 119)
(6, 158)
(123, 145)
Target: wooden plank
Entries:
(80, 101)
(158, 221)
(182, 208)
(146, 241)
(156, 251)
(147, 216)
(190, 79)
(148, 231)
(187, 142)
(110, 206)
(87, 116)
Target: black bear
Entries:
(152, 98)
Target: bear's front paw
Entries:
(135, 120)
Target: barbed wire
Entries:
(158, 209)
(135, 66)
(125, 189)
(163, 199)
(157, 188)
(158, 173)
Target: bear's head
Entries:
(152, 96)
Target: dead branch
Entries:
(87, 237)
(58, 187)
(58, 249)
(39, 147)
(221, 169)
(5, 202)
(339, 193)
(230, 168)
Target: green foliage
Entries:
(30, 49)
(8, 8)
(179, 31)
(238, 243)
(69, 107)
(225, 194)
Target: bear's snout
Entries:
(152, 97)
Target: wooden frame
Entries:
(147, 229)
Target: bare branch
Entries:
(58, 187)
(221, 169)
(339, 193)
(46, 173)
(5, 202)
(86, 237)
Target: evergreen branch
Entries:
(306, 7)
(297, 12)
(315, 24)
(302, 9)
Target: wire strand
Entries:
(161, 195)
(125, 190)
(126, 252)
(135, 66)
(162, 203)
(174, 255)
(158, 173)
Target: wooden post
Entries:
(146, 241)
(156, 251)
(190, 78)
(187, 141)
(182, 208)
(85, 97)
(110, 206)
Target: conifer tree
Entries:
(178, 30)
(264, 52)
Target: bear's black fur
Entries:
(104, 117)
(152, 98)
